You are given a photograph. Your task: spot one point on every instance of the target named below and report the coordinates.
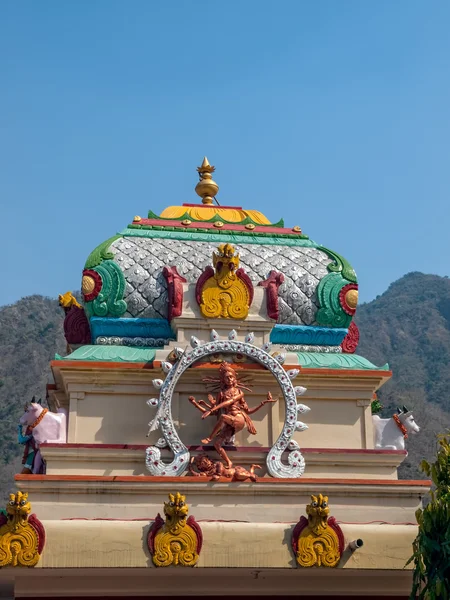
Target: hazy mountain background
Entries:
(408, 326)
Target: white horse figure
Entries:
(391, 433)
(41, 426)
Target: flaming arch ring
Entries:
(186, 358)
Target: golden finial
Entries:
(206, 188)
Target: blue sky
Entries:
(334, 115)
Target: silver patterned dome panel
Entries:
(143, 259)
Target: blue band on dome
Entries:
(131, 328)
(307, 334)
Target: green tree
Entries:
(431, 548)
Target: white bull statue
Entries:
(390, 434)
(41, 426)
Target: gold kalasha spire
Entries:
(206, 188)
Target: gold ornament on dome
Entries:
(318, 540)
(207, 189)
(297, 229)
(351, 298)
(250, 226)
(186, 222)
(21, 536)
(225, 292)
(137, 218)
(176, 541)
(68, 300)
(87, 285)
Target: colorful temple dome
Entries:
(311, 291)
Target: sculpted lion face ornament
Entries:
(176, 509)
(18, 505)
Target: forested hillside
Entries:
(31, 331)
(407, 326)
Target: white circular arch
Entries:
(164, 421)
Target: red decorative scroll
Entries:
(76, 326)
(242, 275)
(351, 340)
(272, 283)
(207, 273)
(175, 289)
(40, 531)
(155, 527)
(297, 531)
(198, 532)
(338, 531)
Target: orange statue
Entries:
(235, 413)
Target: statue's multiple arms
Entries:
(198, 404)
(268, 400)
(229, 402)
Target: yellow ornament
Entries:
(177, 540)
(318, 540)
(68, 300)
(87, 284)
(22, 536)
(227, 292)
(351, 298)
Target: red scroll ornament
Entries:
(175, 290)
(272, 283)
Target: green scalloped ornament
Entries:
(331, 313)
(109, 301)
(340, 265)
(101, 253)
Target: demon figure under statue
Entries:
(230, 405)
(41, 426)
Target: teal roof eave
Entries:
(324, 360)
(111, 354)
(225, 236)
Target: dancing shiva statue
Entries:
(230, 406)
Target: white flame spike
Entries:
(267, 346)
(281, 358)
(232, 335)
(299, 390)
(214, 335)
(302, 409)
(299, 426)
(250, 337)
(292, 373)
(157, 383)
(153, 402)
(195, 342)
(178, 352)
(166, 366)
